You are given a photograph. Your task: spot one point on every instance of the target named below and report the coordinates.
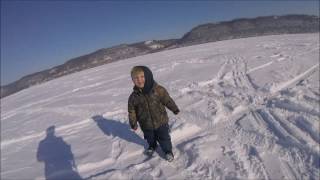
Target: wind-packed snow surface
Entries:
(249, 110)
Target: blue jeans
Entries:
(160, 135)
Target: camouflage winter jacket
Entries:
(149, 109)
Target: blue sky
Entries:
(36, 35)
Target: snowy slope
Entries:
(249, 109)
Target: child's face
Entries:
(139, 80)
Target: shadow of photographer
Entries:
(57, 156)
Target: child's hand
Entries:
(134, 127)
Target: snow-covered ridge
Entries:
(153, 44)
(249, 109)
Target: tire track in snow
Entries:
(296, 79)
(251, 100)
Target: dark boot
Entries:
(150, 151)
(169, 156)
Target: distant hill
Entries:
(238, 28)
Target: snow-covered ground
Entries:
(249, 109)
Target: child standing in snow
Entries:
(146, 106)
